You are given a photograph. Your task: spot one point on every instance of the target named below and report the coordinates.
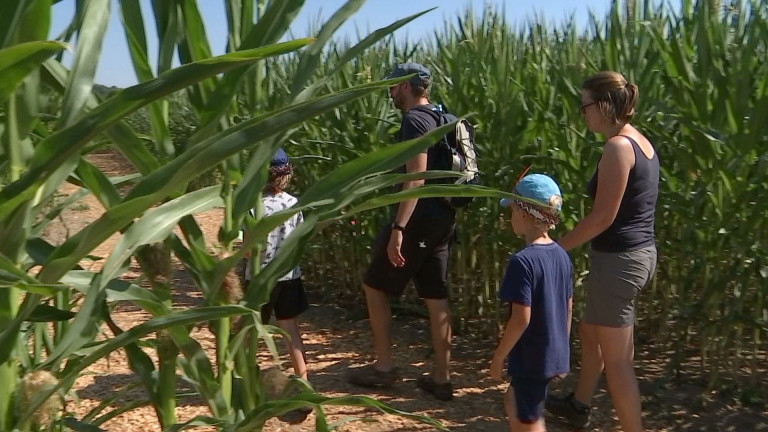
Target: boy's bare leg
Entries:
(295, 346)
(618, 354)
(591, 363)
(440, 327)
(380, 314)
(510, 407)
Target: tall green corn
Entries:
(39, 155)
(701, 70)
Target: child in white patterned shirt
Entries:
(288, 299)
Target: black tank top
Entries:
(633, 227)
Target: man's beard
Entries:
(397, 101)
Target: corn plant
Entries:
(701, 71)
(43, 282)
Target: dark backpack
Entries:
(455, 152)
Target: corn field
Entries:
(52, 309)
(702, 70)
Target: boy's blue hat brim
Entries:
(404, 69)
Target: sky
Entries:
(115, 68)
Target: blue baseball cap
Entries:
(280, 158)
(542, 191)
(404, 69)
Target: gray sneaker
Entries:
(569, 411)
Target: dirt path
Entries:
(335, 343)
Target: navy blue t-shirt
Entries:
(415, 124)
(540, 276)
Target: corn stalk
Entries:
(40, 155)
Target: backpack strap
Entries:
(439, 119)
(431, 111)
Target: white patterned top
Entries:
(275, 239)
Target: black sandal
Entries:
(369, 376)
(443, 392)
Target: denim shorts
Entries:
(615, 279)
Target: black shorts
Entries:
(288, 300)
(426, 249)
(530, 394)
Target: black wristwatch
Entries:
(395, 226)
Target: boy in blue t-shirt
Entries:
(538, 285)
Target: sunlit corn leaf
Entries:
(17, 61)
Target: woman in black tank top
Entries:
(620, 229)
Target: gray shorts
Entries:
(615, 279)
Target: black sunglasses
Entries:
(584, 107)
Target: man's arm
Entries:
(405, 210)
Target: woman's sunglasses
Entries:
(584, 107)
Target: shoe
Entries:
(296, 416)
(566, 408)
(369, 376)
(281, 386)
(443, 392)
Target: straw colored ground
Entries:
(335, 342)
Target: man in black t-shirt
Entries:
(415, 246)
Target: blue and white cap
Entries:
(543, 199)
(280, 158)
(280, 164)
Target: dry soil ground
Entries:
(334, 343)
